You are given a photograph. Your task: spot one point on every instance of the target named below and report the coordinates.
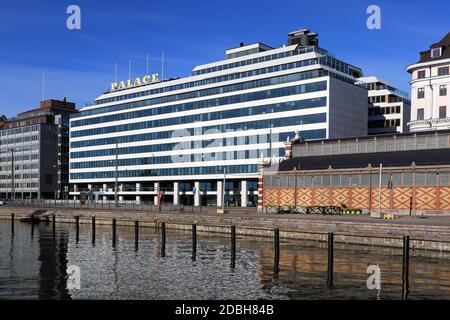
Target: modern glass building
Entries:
(172, 140)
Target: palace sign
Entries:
(136, 83)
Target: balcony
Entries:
(429, 124)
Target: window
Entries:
(443, 71)
(442, 112)
(420, 114)
(443, 90)
(421, 74)
(436, 52)
(420, 93)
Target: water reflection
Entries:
(176, 265)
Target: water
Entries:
(33, 266)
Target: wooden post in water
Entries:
(136, 235)
(330, 258)
(53, 227)
(194, 241)
(163, 239)
(93, 229)
(233, 246)
(405, 268)
(276, 263)
(114, 232)
(77, 231)
(12, 223)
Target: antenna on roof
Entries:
(162, 65)
(146, 70)
(129, 69)
(43, 85)
(115, 72)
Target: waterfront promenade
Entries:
(428, 233)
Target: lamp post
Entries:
(13, 187)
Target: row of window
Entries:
(22, 130)
(260, 95)
(189, 159)
(384, 110)
(384, 123)
(20, 158)
(251, 168)
(442, 91)
(442, 71)
(442, 113)
(277, 107)
(28, 185)
(433, 141)
(5, 142)
(187, 106)
(218, 79)
(261, 124)
(359, 180)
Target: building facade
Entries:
(389, 108)
(172, 140)
(430, 84)
(34, 152)
(415, 174)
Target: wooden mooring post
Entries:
(194, 242)
(136, 235)
(405, 268)
(12, 223)
(114, 232)
(163, 239)
(276, 263)
(233, 246)
(93, 229)
(330, 258)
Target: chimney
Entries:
(242, 44)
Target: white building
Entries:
(429, 88)
(389, 108)
(178, 136)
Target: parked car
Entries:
(3, 203)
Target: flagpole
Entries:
(379, 189)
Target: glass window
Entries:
(396, 179)
(442, 112)
(336, 148)
(410, 144)
(355, 180)
(390, 145)
(326, 180)
(420, 93)
(284, 181)
(364, 181)
(421, 143)
(432, 178)
(353, 147)
(420, 178)
(317, 181)
(408, 179)
(420, 114)
(336, 180)
(443, 71)
(268, 181)
(345, 180)
(308, 181)
(443, 141)
(276, 182)
(444, 178)
(371, 146)
(443, 90)
(300, 181)
(291, 181)
(381, 145)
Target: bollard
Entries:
(163, 239)
(114, 232)
(194, 241)
(276, 263)
(405, 268)
(136, 235)
(330, 258)
(77, 229)
(93, 229)
(12, 223)
(233, 246)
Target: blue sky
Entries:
(79, 64)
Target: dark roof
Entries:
(425, 56)
(362, 160)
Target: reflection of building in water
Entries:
(53, 270)
(307, 266)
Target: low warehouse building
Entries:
(415, 174)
